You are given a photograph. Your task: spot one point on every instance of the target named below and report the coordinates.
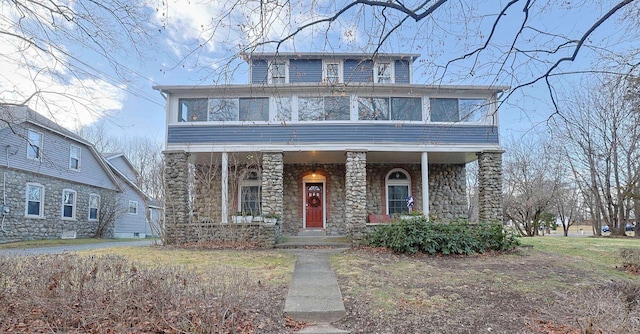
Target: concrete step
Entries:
(322, 328)
(315, 232)
(313, 241)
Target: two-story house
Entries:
(325, 141)
(55, 184)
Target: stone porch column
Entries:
(356, 195)
(224, 186)
(176, 185)
(272, 183)
(490, 186)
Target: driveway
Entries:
(73, 248)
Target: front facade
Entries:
(329, 142)
(54, 183)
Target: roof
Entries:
(325, 55)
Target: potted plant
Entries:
(242, 217)
(271, 218)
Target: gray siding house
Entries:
(53, 181)
(328, 143)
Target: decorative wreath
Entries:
(314, 201)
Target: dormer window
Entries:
(332, 72)
(383, 72)
(278, 72)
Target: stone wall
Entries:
(17, 227)
(176, 185)
(490, 186)
(447, 189)
(263, 235)
(355, 195)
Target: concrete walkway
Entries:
(314, 295)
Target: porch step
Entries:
(322, 328)
(318, 232)
(314, 241)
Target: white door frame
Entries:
(317, 179)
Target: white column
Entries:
(225, 187)
(425, 184)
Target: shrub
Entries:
(630, 259)
(459, 237)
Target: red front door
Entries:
(314, 205)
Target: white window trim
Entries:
(129, 207)
(74, 205)
(26, 202)
(248, 183)
(40, 145)
(388, 183)
(78, 157)
(392, 71)
(270, 72)
(98, 208)
(325, 63)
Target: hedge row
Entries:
(421, 235)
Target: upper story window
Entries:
(254, 109)
(390, 108)
(383, 72)
(34, 207)
(94, 206)
(74, 157)
(192, 110)
(278, 71)
(133, 207)
(68, 204)
(456, 110)
(34, 145)
(329, 108)
(332, 72)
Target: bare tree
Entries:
(532, 184)
(600, 131)
(111, 208)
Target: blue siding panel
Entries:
(358, 70)
(334, 133)
(305, 70)
(259, 71)
(402, 72)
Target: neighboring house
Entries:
(327, 142)
(142, 212)
(53, 182)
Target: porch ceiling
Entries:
(318, 157)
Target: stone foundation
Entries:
(261, 234)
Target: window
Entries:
(383, 72)
(34, 207)
(133, 207)
(223, 110)
(394, 108)
(250, 194)
(74, 157)
(34, 145)
(455, 110)
(68, 204)
(94, 205)
(254, 109)
(406, 108)
(373, 108)
(283, 108)
(192, 110)
(332, 72)
(278, 72)
(398, 189)
(330, 108)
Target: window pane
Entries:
(192, 110)
(68, 211)
(34, 193)
(35, 143)
(278, 72)
(472, 110)
(336, 108)
(373, 108)
(383, 72)
(223, 110)
(283, 108)
(133, 207)
(251, 201)
(254, 109)
(333, 72)
(310, 109)
(93, 213)
(406, 108)
(397, 196)
(444, 110)
(33, 208)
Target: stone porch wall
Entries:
(17, 227)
